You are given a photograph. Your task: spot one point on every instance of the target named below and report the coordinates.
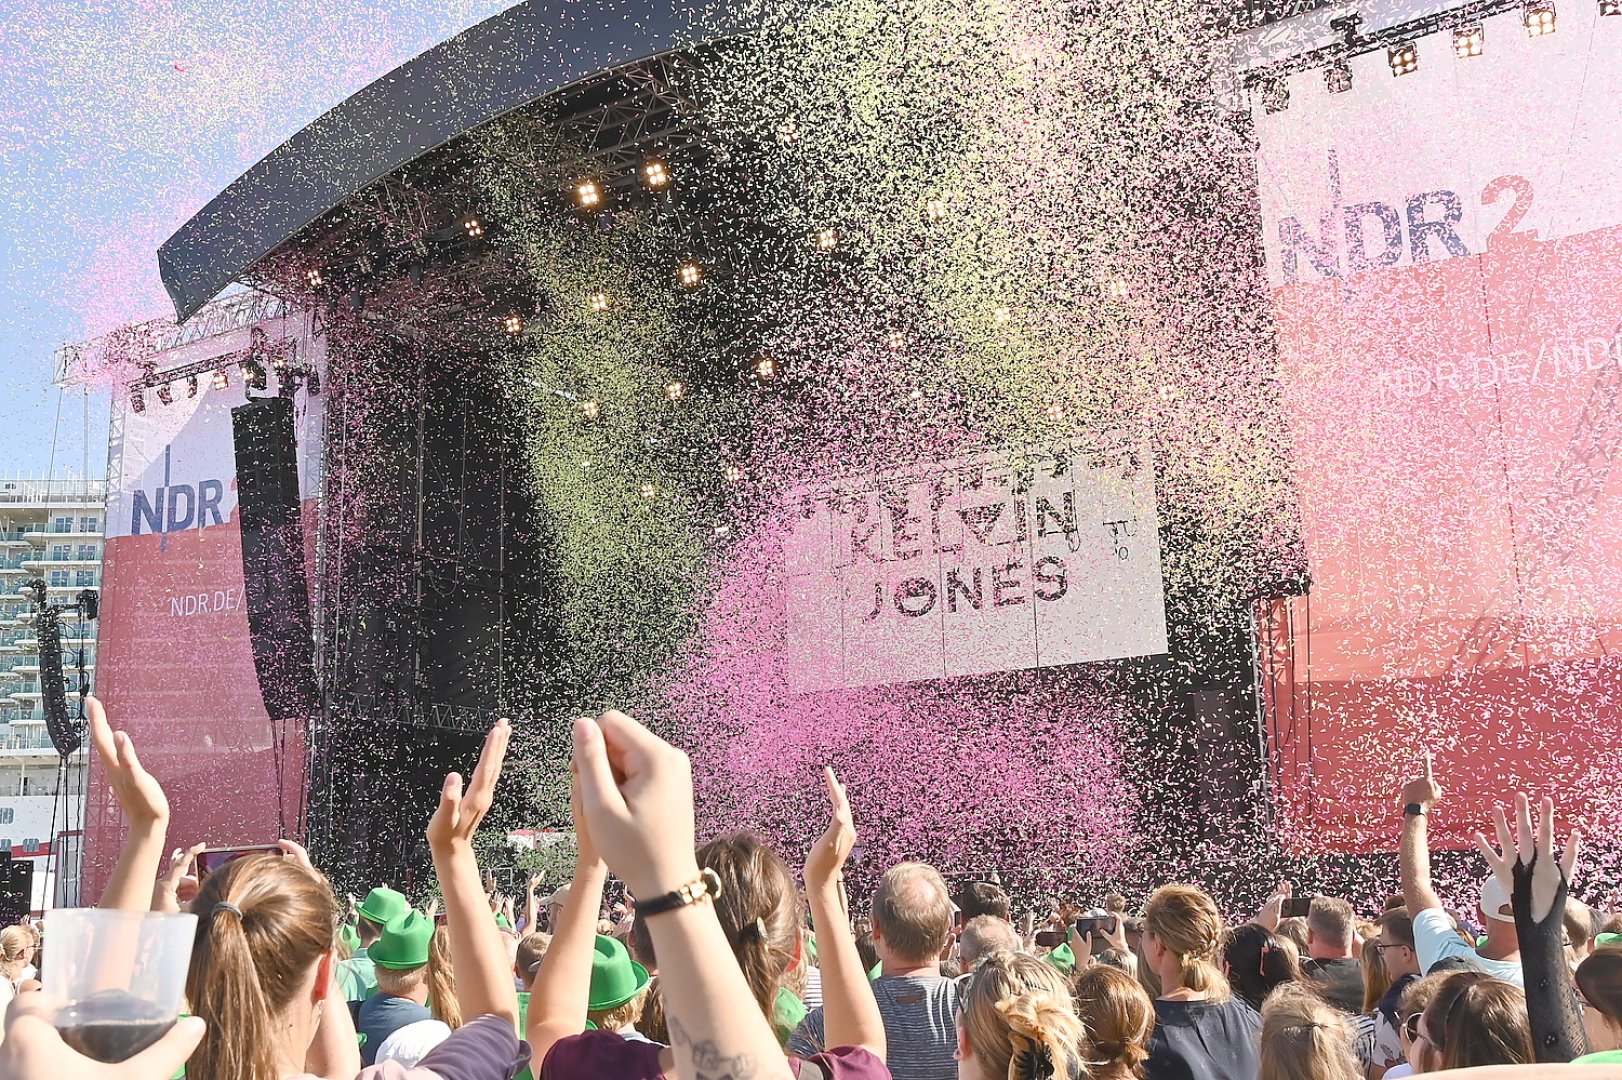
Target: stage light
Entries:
(513, 324)
(689, 274)
(1540, 18)
(1468, 41)
(222, 379)
(166, 394)
(827, 239)
(1055, 412)
(1610, 7)
(732, 473)
(1275, 95)
(191, 386)
(254, 376)
(765, 368)
(588, 195)
(1404, 59)
(650, 491)
(590, 410)
(935, 210)
(1003, 316)
(655, 175)
(896, 339)
(1338, 77)
(723, 530)
(137, 401)
(315, 278)
(675, 391)
(473, 226)
(599, 301)
(915, 394)
(1118, 288)
(788, 131)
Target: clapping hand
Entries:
(635, 795)
(825, 863)
(138, 792)
(178, 885)
(461, 809)
(1530, 847)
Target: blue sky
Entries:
(118, 120)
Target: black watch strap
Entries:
(1413, 809)
(707, 884)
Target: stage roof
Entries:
(527, 53)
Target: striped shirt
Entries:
(919, 1014)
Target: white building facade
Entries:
(50, 530)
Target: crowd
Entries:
(727, 965)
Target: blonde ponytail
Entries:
(1020, 1021)
(1187, 923)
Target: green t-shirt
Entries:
(1604, 1057)
(357, 977)
(787, 1013)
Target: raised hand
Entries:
(139, 794)
(462, 809)
(179, 883)
(1425, 790)
(826, 860)
(294, 850)
(636, 795)
(1273, 910)
(1530, 847)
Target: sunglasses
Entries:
(1410, 1028)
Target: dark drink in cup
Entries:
(112, 1026)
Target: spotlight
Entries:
(1338, 77)
(655, 175)
(1275, 95)
(689, 274)
(1055, 412)
(732, 473)
(1003, 316)
(1118, 288)
(1540, 18)
(590, 410)
(896, 339)
(788, 131)
(191, 386)
(588, 195)
(222, 379)
(765, 368)
(935, 210)
(166, 394)
(513, 324)
(137, 401)
(599, 301)
(915, 394)
(1468, 41)
(827, 239)
(675, 391)
(315, 278)
(254, 376)
(1404, 59)
(650, 491)
(473, 226)
(1610, 7)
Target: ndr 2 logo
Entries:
(175, 507)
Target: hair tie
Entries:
(1035, 1063)
(223, 906)
(758, 927)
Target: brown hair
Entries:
(247, 969)
(1376, 979)
(1486, 1024)
(1258, 961)
(1295, 931)
(1579, 920)
(1397, 923)
(1187, 923)
(912, 911)
(983, 898)
(1332, 920)
(1016, 1005)
(759, 910)
(652, 1021)
(1600, 979)
(1305, 1037)
(442, 981)
(1118, 1016)
(531, 951)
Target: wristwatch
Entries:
(1413, 809)
(707, 884)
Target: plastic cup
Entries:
(122, 974)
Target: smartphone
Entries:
(212, 859)
(1095, 924)
(1051, 939)
(1297, 907)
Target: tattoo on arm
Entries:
(708, 1062)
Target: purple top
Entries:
(603, 1054)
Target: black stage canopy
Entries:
(521, 56)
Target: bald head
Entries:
(912, 913)
(986, 934)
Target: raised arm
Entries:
(532, 907)
(1536, 878)
(483, 973)
(637, 794)
(850, 1014)
(557, 1003)
(146, 814)
(1414, 853)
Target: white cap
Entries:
(1495, 902)
(558, 897)
(410, 1044)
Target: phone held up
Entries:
(212, 859)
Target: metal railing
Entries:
(48, 491)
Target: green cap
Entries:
(1608, 941)
(404, 944)
(501, 921)
(349, 939)
(383, 905)
(615, 977)
(1062, 958)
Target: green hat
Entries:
(383, 905)
(1062, 958)
(615, 977)
(1607, 941)
(404, 944)
(501, 921)
(350, 939)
